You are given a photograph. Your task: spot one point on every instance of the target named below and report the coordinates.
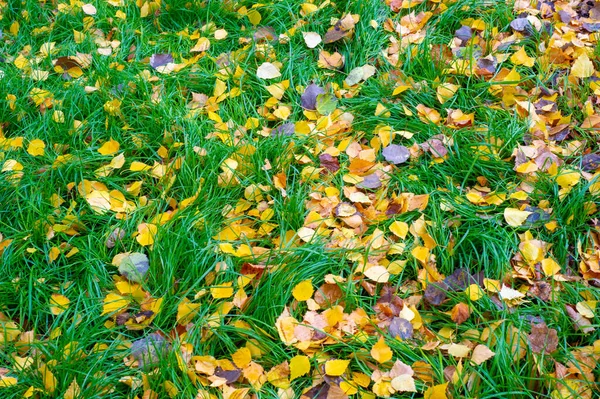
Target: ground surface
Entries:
(328, 199)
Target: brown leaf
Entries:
(329, 162)
(460, 313)
(542, 339)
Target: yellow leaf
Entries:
(225, 290)
(299, 366)
(73, 391)
(170, 388)
(254, 17)
(568, 178)
(400, 229)
(109, 148)
(587, 308)
(446, 91)
(58, 304)
(203, 44)
(36, 147)
(186, 311)
(114, 303)
(309, 8)
(436, 392)
(48, 379)
(336, 367)
(474, 292)
(146, 234)
(515, 217)
(583, 67)
(303, 291)
(550, 267)
(6, 381)
(381, 352)
(520, 57)
(14, 28)
(242, 357)
(421, 254)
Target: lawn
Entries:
(318, 200)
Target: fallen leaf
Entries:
(312, 39)
(381, 352)
(396, 154)
(542, 339)
(268, 71)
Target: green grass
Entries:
(85, 345)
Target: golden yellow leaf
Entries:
(299, 366)
(242, 357)
(224, 290)
(520, 57)
(58, 304)
(515, 217)
(109, 148)
(170, 388)
(114, 303)
(446, 91)
(421, 254)
(186, 311)
(6, 381)
(146, 234)
(568, 178)
(582, 67)
(381, 352)
(436, 392)
(48, 379)
(303, 291)
(474, 292)
(400, 229)
(36, 147)
(550, 267)
(336, 367)
(587, 308)
(203, 44)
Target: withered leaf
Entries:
(230, 376)
(395, 154)
(401, 328)
(590, 162)
(115, 235)
(308, 99)
(460, 313)
(286, 129)
(264, 34)
(542, 339)
(464, 33)
(148, 350)
(158, 60)
(521, 25)
(581, 323)
(329, 162)
(370, 182)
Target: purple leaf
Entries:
(287, 129)
(370, 182)
(400, 327)
(308, 99)
(396, 154)
(158, 60)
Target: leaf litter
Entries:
(360, 204)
